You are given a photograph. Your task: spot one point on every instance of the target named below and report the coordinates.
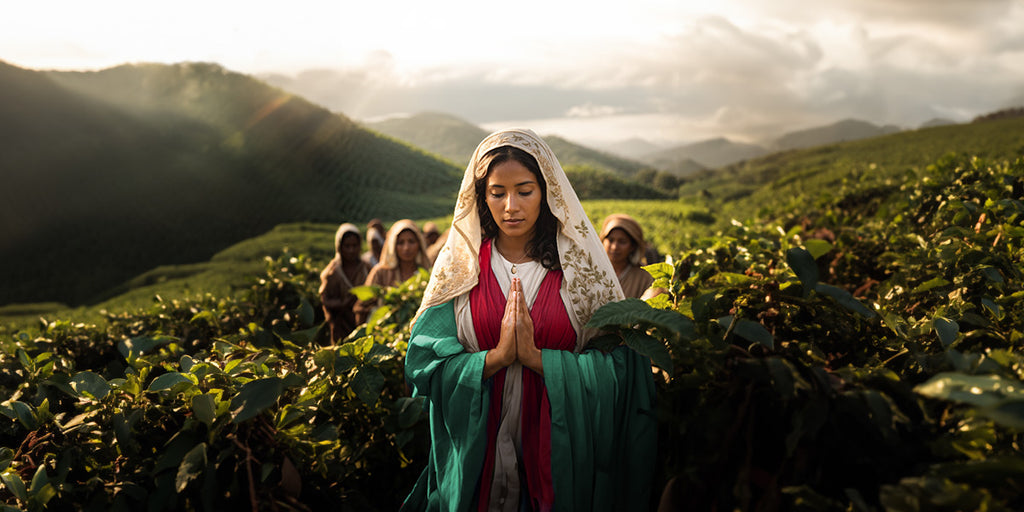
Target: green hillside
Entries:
(445, 135)
(798, 180)
(456, 139)
(847, 129)
(120, 171)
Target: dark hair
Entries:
(543, 246)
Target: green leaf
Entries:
(25, 360)
(976, 390)
(817, 247)
(6, 457)
(749, 330)
(186, 363)
(204, 316)
(141, 345)
(301, 338)
(168, 381)
(649, 346)
(305, 313)
(630, 312)
(895, 323)
(946, 329)
(409, 410)
(191, 467)
(732, 279)
(14, 484)
(39, 479)
(367, 384)
(204, 407)
(378, 315)
(845, 298)
(18, 410)
(662, 274)
(1009, 413)
(365, 293)
(379, 353)
(701, 307)
(992, 307)
(91, 385)
(801, 261)
(992, 274)
(325, 358)
(254, 397)
(930, 284)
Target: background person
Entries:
(430, 233)
(623, 240)
(375, 240)
(338, 277)
(404, 253)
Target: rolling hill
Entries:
(708, 154)
(456, 139)
(795, 179)
(847, 129)
(111, 173)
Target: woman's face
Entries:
(407, 246)
(619, 246)
(349, 247)
(514, 199)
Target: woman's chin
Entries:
(516, 230)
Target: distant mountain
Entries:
(456, 139)
(443, 134)
(635, 148)
(711, 154)
(931, 123)
(572, 154)
(108, 174)
(1006, 113)
(845, 130)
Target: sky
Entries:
(666, 71)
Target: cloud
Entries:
(592, 110)
(782, 66)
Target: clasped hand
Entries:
(515, 342)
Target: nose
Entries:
(510, 203)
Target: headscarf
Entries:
(430, 227)
(388, 256)
(343, 230)
(632, 228)
(335, 264)
(588, 277)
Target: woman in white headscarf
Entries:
(522, 416)
(345, 271)
(403, 255)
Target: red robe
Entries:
(552, 330)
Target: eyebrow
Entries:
(516, 185)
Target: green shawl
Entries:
(603, 430)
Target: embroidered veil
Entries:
(589, 280)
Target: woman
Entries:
(346, 270)
(624, 243)
(521, 417)
(404, 253)
(375, 238)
